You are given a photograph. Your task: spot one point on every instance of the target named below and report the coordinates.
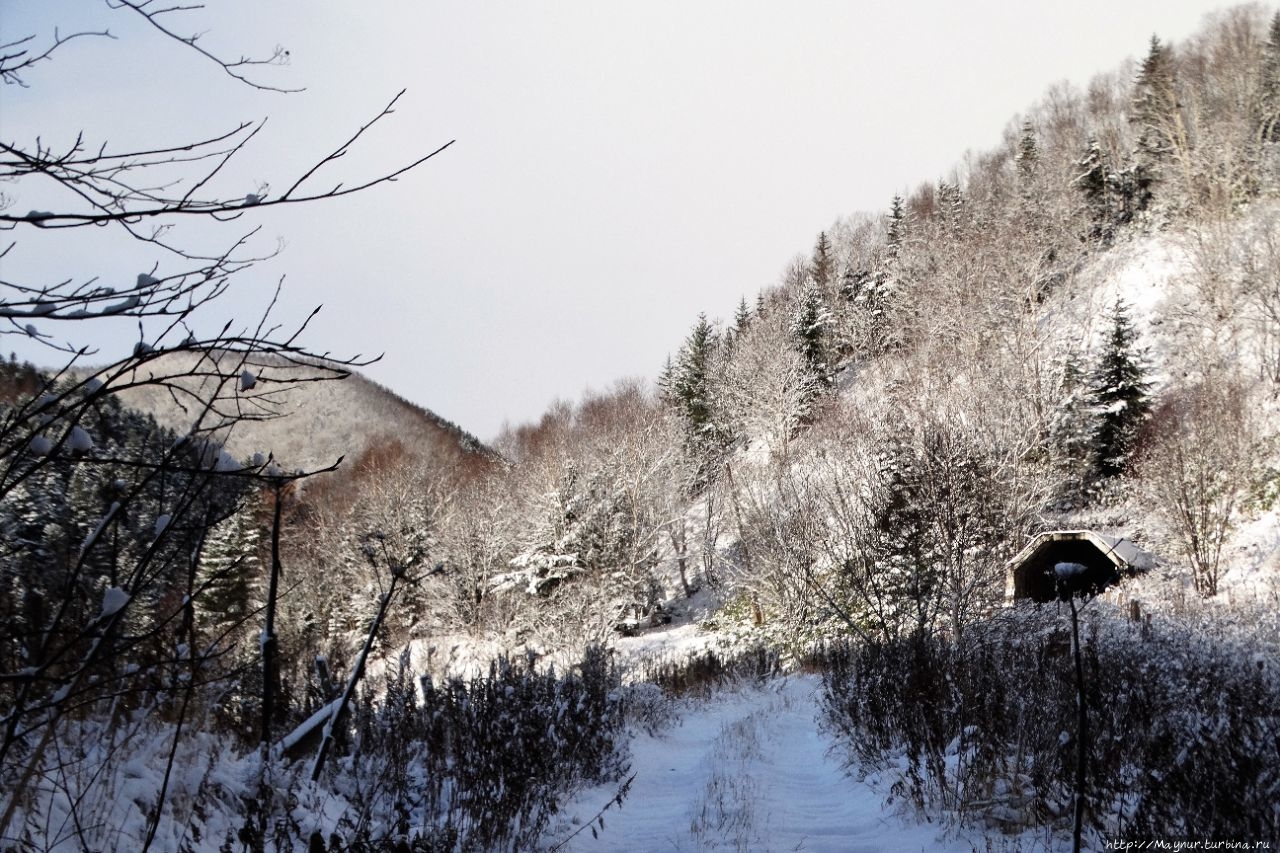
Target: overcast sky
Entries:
(619, 167)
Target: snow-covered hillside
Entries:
(440, 649)
(302, 422)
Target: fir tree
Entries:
(228, 568)
(811, 328)
(1028, 157)
(693, 381)
(896, 229)
(1073, 423)
(822, 264)
(741, 321)
(887, 281)
(1094, 181)
(1155, 114)
(1269, 87)
(950, 205)
(741, 317)
(856, 286)
(1154, 98)
(1119, 394)
(666, 382)
(906, 566)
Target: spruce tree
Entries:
(896, 228)
(666, 382)
(741, 317)
(856, 286)
(1155, 115)
(1119, 395)
(1154, 98)
(229, 566)
(1095, 183)
(950, 205)
(811, 328)
(1073, 425)
(1269, 87)
(822, 265)
(1028, 157)
(887, 281)
(692, 383)
(906, 566)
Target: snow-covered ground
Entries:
(749, 770)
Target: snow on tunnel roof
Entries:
(1123, 552)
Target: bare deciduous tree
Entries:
(1199, 467)
(767, 386)
(1261, 279)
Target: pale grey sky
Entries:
(618, 168)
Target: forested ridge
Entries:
(212, 642)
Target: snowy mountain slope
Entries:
(313, 423)
(1184, 292)
(1186, 289)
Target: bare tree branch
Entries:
(233, 68)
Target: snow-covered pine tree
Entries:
(693, 383)
(1072, 425)
(229, 566)
(896, 228)
(887, 279)
(1028, 157)
(1094, 180)
(856, 285)
(1268, 108)
(822, 264)
(905, 564)
(741, 317)
(950, 205)
(1155, 114)
(1119, 393)
(812, 330)
(1154, 98)
(666, 382)
(741, 321)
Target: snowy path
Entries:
(747, 771)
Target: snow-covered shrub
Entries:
(648, 707)
(478, 764)
(1184, 727)
(700, 674)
